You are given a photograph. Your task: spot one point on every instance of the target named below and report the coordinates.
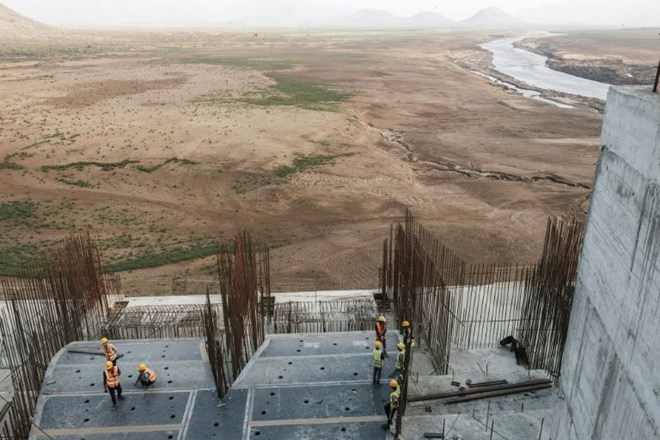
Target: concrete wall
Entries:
(611, 368)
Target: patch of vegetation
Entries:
(80, 183)
(153, 259)
(261, 64)
(153, 168)
(303, 94)
(105, 166)
(8, 164)
(12, 258)
(305, 162)
(17, 209)
(246, 182)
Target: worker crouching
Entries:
(111, 381)
(147, 376)
(393, 405)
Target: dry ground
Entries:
(166, 144)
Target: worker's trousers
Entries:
(376, 376)
(112, 392)
(390, 412)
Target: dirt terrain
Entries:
(165, 144)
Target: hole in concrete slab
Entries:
(322, 368)
(130, 375)
(91, 384)
(169, 381)
(306, 401)
(171, 397)
(298, 350)
(91, 359)
(272, 394)
(355, 374)
(170, 436)
(367, 348)
(280, 377)
(347, 409)
(172, 416)
(129, 352)
(263, 412)
(77, 371)
(343, 429)
(257, 433)
(216, 424)
(86, 400)
(367, 338)
(302, 340)
(132, 408)
(290, 363)
(163, 356)
(334, 343)
(166, 368)
(86, 420)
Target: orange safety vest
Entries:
(380, 329)
(151, 374)
(112, 377)
(110, 352)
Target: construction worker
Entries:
(381, 331)
(378, 356)
(111, 381)
(407, 333)
(400, 358)
(109, 350)
(147, 376)
(393, 404)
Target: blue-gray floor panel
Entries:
(161, 435)
(92, 411)
(210, 421)
(319, 402)
(344, 431)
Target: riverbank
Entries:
(613, 57)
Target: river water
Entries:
(530, 68)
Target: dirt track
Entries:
(481, 166)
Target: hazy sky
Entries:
(310, 12)
(47, 10)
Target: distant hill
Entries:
(492, 17)
(13, 24)
(369, 18)
(430, 19)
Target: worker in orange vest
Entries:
(147, 376)
(111, 382)
(381, 331)
(109, 350)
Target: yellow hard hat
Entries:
(405, 324)
(142, 367)
(104, 340)
(108, 365)
(394, 383)
(381, 318)
(378, 344)
(401, 346)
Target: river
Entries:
(530, 68)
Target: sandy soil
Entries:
(154, 144)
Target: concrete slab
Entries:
(325, 391)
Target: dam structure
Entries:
(609, 378)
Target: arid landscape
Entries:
(164, 144)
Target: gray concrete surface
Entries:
(295, 387)
(609, 374)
